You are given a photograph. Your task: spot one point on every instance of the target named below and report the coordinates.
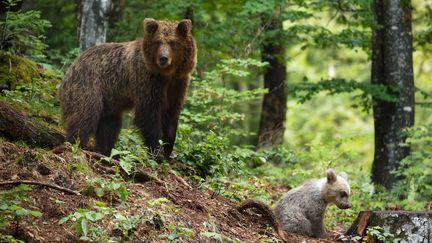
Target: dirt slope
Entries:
(169, 207)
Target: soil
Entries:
(191, 213)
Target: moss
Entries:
(16, 71)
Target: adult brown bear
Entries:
(150, 75)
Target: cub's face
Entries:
(337, 189)
(166, 44)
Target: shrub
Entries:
(22, 33)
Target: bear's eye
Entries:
(172, 44)
(343, 194)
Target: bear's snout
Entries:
(164, 57)
(344, 205)
(163, 60)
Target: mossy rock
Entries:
(16, 71)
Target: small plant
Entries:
(111, 188)
(131, 151)
(85, 219)
(157, 202)
(179, 232)
(11, 208)
(213, 236)
(379, 233)
(126, 224)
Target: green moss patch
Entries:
(16, 71)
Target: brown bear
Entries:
(150, 75)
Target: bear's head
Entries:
(169, 47)
(336, 189)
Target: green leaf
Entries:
(99, 192)
(65, 219)
(94, 216)
(35, 213)
(212, 235)
(84, 227)
(173, 235)
(122, 193)
(126, 164)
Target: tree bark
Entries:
(15, 126)
(392, 66)
(407, 226)
(92, 20)
(273, 114)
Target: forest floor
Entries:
(170, 208)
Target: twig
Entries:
(53, 186)
(101, 157)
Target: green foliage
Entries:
(22, 33)
(85, 221)
(111, 188)
(126, 224)
(416, 169)
(379, 233)
(209, 120)
(129, 148)
(9, 239)
(157, 202)
(213, 235)
(305, 90)
(179, 232)
(32, 88)
(11, 206)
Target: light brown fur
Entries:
(150, 75)
(301, 210)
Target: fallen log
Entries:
(16, 126)
(403, 225)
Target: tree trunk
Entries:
(117, 11)
(92, 21)
(392, 66)
(273, 114)
(15, 126)
(407, 226)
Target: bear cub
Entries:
(301, 210)
(150, 76)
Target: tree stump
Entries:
(407, 226)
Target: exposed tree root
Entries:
(38, 183)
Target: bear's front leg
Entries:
(319, 230)
(176, 95)
(169, 130)
(148, 119)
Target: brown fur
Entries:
(301, 210)
(150, 75)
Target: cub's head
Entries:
(337, 189)
(169, 47)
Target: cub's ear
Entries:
(331, 176)
(343, 175)
(184, 27)
(150, 25)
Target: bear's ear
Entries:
(150, 26)
(343, 175)
(184, 27)
(331, 176)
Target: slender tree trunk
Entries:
(392, 66)
(117, 11)
(273, 114)
(92, 19)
